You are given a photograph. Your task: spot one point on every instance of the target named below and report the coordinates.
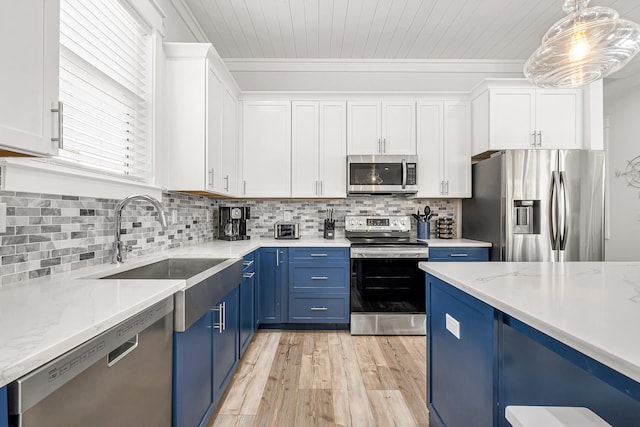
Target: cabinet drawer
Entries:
(318, 254)
(310, 308)
(458, 254)
(310, 278)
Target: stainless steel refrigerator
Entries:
(538, 205)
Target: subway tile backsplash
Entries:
(48, 234)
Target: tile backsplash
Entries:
(48, 234)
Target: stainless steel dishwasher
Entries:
(121, 377)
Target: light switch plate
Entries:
(452, 325)
(3, 217)
(174, 216)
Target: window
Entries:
(105, 85)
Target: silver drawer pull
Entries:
(318, 309)
(459, 255)
(319, 255)
(319, 278)
(249, 275)
(247, 263)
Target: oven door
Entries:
(388, 294)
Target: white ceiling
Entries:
(385, 29)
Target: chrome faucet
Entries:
(120, 249)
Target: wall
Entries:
(311, 213)
(49, 234)
(622, 108)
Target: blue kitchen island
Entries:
(532, 334)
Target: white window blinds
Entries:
(105, 87)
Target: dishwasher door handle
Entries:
(121, 352)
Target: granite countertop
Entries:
(593, 307)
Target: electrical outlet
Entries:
(174, 216)
(288, 215)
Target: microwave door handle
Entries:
(404, 173)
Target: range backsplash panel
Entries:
(48, 234)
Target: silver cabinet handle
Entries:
(247, 263)
(60, 138)
(319, 278)
(277, 257)
(317, 189)
(441, 187)
(320, 188)
(121, 352)
(446, 191)
(227, 186)
(458, 255)
(249, 275)
(210, 176)
(318, 255)
(224, 316)
(533, 138)
(244, 183)
(318, 309)
(220, 325)
(380, 145)
(540, 138)
(384, 145)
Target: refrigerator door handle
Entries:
(564, 212)
(553, 211)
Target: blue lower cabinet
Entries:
(4, 412)
(272, 301)
(193, 374)
(247, 302)
(461, 344)
(225, 342)
(458, 254)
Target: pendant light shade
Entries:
(588, 44)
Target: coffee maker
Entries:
(232, 223)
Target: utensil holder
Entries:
(424, 230)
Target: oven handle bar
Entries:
(424, 255)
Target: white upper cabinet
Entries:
(444, 149)
(202, 129)
(526, 117)
(381, 127)
(29, 42)
(230, 144)
(266, 151)
(318, 149)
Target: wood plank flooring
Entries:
(327, 378)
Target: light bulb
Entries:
(580, 47)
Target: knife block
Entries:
(329, 228)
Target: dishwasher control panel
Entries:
(36, 385)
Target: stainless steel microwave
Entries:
(385, 174)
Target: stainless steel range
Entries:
(387, 287)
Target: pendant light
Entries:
(588, 44)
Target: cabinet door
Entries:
(230, 143)
(364, 131)
(430, 145)
(398, 127)
(214, 130)
(225, 344)
(193, 374)
(511, 118)
(267, 149)
(29, 42)
(559, 118)
(456, 149)
(269, 285)
(461, 349)
(247, 304)
(333, 149)
(304, 149)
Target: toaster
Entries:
(286, 230)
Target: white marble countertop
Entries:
(593, 307)
(43, 318)
(455, 243)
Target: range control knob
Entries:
(360, 222)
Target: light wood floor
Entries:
(328, 378)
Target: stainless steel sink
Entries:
(207, 281)
(171, 268)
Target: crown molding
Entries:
(190, 21)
